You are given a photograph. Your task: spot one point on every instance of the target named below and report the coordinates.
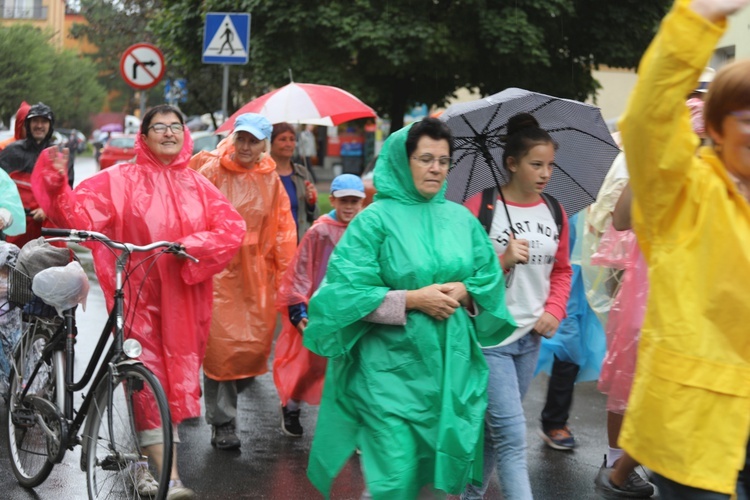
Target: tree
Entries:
(179, 28)
(26, 56)
(33, 70)
(77, 93)
(397, 54)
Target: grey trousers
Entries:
(220, 398)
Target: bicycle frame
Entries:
(66, 386)
(33, 406)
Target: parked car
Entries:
(119, 148)
(205, 141)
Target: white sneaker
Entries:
(178, 491)
(144, 482)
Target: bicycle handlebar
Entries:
(77, 236)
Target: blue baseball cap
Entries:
(256, 124)
(347, 185)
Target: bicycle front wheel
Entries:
(128, 437)
(27, 439)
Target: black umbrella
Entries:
(586, 148)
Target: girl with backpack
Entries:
(529, 232)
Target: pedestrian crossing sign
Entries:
(226, 38)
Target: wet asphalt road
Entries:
(271, 465)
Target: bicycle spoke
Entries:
(116, 462)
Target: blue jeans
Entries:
(511, 370)
(670, 490)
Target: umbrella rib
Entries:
(558, 167)
(485, 130)
(584, 133)
(471, 176)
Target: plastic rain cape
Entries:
(580, 337)
(411, 398)
(297, 372)
(143, 202)
(244, 316)
(11, 201)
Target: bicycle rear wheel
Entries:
(128, 437)
(27, 440)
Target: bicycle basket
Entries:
(20, 295)
(19, 287)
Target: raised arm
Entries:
(90, 207)
(657, 136)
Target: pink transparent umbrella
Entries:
(305, 103)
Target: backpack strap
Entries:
(556, 209)
(487, 208)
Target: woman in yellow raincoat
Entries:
(244, 315)
(688, 417)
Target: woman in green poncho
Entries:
(411, 291)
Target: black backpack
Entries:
(487, 209)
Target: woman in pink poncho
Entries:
(155, 198)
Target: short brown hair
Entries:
(161, 109)
(280, 128)
(730, 91)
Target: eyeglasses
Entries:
(743, 119)
(426, 161)
(161, 128)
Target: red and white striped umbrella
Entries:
(305, 103)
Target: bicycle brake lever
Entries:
(179, 249)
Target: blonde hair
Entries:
(266, 142)
(729, 91)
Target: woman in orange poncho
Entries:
(244, 315)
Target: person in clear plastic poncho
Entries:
(244, 317)
(153, 199)
(406, 382)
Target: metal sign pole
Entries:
(225, 93)
(226, 40)
(143, 104)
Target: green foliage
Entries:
(34, 71)
(26, 55)
(77, 93)
(394, 54)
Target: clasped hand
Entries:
(439, 301)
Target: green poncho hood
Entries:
(393, 175)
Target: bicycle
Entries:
(125, 411)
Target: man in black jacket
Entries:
(19, 158)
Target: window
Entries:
(22, 9)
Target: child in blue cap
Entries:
(297, 372)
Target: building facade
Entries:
(44, 14)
